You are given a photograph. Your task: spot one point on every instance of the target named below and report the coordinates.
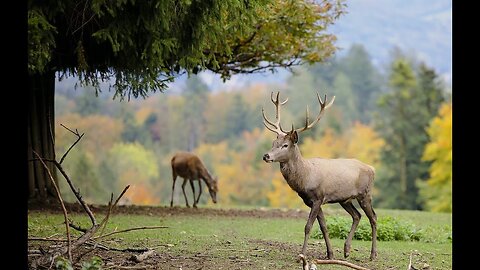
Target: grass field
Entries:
(243, 242)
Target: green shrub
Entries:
(388, 229)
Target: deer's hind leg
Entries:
(366, 204)
(350, 208)
(193, 190)
(173, 188)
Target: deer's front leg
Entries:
(183, 189)
(200, 187)
(193, 189)
(323, 227)
(308, 227)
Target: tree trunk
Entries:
(41, 134)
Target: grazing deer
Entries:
(320, 181)
(190, 167)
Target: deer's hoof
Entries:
(373, 256)
(330, 255)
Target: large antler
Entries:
(275, 127)
(323, 107)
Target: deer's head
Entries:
(213, 188)
(286, 142)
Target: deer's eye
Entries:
(285, 146)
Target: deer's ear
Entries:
(294, 136)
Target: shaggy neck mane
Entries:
(294, 169)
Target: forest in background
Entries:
(398, 120)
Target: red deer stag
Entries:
(320, 181)
(190, 167)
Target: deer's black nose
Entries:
(266, 157)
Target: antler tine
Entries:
(323, 107)
(265, 120)
(274, 126)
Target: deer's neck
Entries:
(207, 178)
(294, 170)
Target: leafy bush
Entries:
(388, 229)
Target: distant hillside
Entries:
(422, 27)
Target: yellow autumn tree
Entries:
(282, 195)
(132, 164)
(364, 144)
(329, 145)
(437, 190)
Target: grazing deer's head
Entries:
(213, 188)
(283, 146)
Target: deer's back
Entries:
(187, 165)
(342, 178)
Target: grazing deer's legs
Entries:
(200, 193)
(183, 189)
(193, 189)
(173, 188)
(323, 227)
(311, 219)
(366, 204)
(350, 208)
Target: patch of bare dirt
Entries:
(176, 210)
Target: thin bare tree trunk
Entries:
(40, 138)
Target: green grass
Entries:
(266, 243)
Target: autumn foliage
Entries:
(437, 191)
(132, 143)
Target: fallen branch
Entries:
(110, 207)
(87, 237)
(143, 256)
(62, 171)
(410, 266)
(129, 267)
(104, 247)
(306, 265)
(344, 263)
(76, 227)
(79, 137)
(47, 239)
(65, 215)
(97, 237)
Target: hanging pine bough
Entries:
(47, 258)
(144, 45)
(138, 47)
